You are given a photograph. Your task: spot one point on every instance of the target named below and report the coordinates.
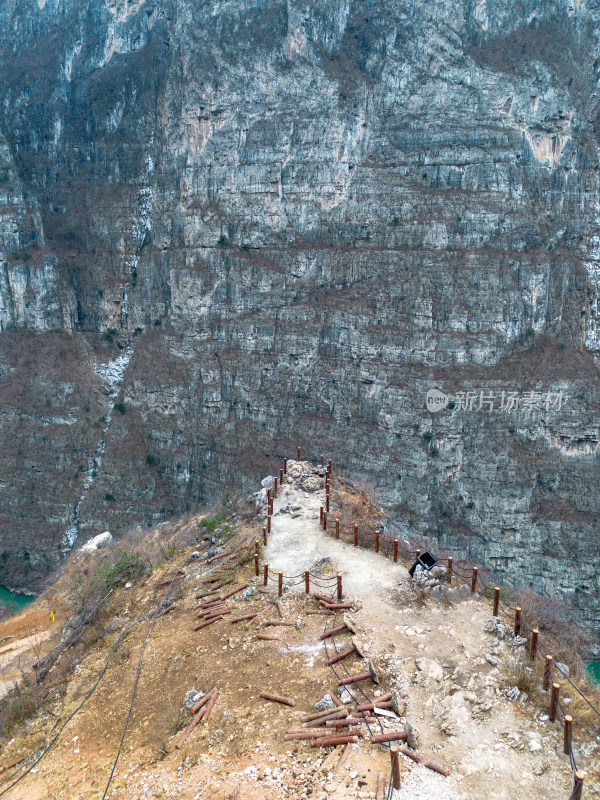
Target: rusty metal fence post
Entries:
(395, 550)
(449, 573)
(285, 466)
(355, 535)
(298, 454)
(337, 529)
(339, 586)
(280, 584)
(268, 523)
(307, 581)
(324, 520)
(266, 575)
(265, 535)
(376, 541)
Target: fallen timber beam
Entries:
(364, 676)
(277, 698)
(280, 622)
(324, 714)
(207, 622)
(398, 736)
(222, 555)
(197, 706)
(344, 723)
(211, 704)
(333, 631)
(235, 591)
(333, 741)
(340, 656)
(307, 734)
(189, 728)
(386, 705)
(427, 762)
(220, 612)
(257, 616)
(165, 611)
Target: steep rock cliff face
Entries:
(255, 224)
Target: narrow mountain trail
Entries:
(438, 654)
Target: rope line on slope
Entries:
(138, 673)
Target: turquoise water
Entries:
(14, 599)
(594, 670)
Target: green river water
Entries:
(14, 599)
(594, 670)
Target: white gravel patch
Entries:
(421, 783)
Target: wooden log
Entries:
(395, 776)
(398, 736)
(344, 723)
(328, 714)
(221, 612)
(387, 704)
(322, 597)
(189, 728)
(207, 622)
(215, 607)
(307, 734)
(427, 762)
(257, 616)
(197, 706)
(280, 622)
(333, 631)
(210, 603)
(221, 555)
(380, 793)
(211, 704)
(379, 702)
(322, 722)
(364, 676)
(340, 656)
(242, 618)
(235, 591)
(277, 698)
(333, 741)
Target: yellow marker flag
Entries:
(51, 615)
